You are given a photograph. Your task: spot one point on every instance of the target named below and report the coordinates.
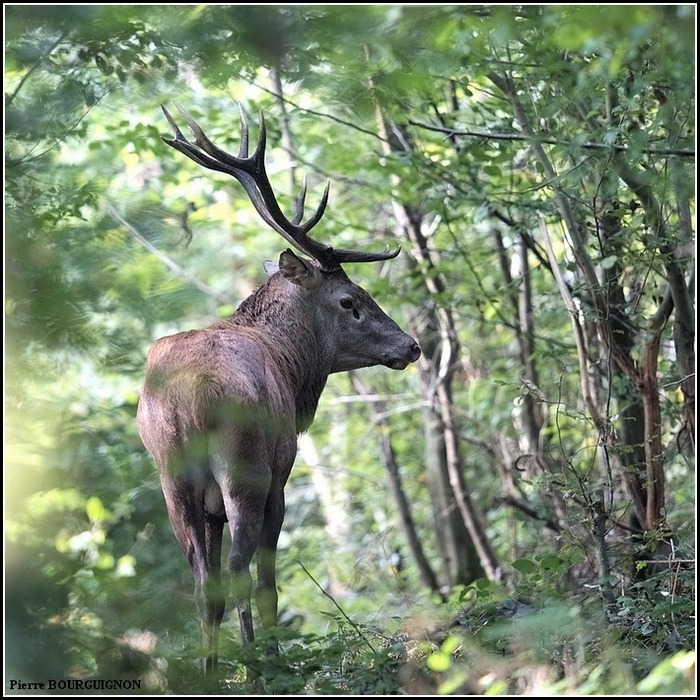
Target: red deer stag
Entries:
(222, 407)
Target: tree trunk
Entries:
(334, 497)
(438, 363)
(425, 571)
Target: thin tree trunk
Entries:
(287, 140)
(334, 497)
(426, 573)
(459, 558)
(438, 368)
(645, 379)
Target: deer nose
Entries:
(415, 351)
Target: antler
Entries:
(250, 172)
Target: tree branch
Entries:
(586, 145)
(516, 503)
(169, 263)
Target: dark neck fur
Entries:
(274, 308)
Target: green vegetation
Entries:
(514, 514)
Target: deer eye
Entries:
(348, 304)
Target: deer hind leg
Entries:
(245, 516)
(214, 598)
(241, 466)
(266, 591)
(243, 475)
(199, 537)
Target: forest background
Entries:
(515, 513)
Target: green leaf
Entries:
(550, 561)
(96, 512)
(439, 662)
(524, 566)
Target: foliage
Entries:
(503, 645)
(536, 164)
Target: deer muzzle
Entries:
(412, 354)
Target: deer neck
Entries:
(277, 312)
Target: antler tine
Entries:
(301, 199)
(250, 171)
(243, 150)
(299, 214)
(201, 140)
(180, 143)
(179, 136)
(340, 255)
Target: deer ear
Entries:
(271, 267)
(299, 271)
